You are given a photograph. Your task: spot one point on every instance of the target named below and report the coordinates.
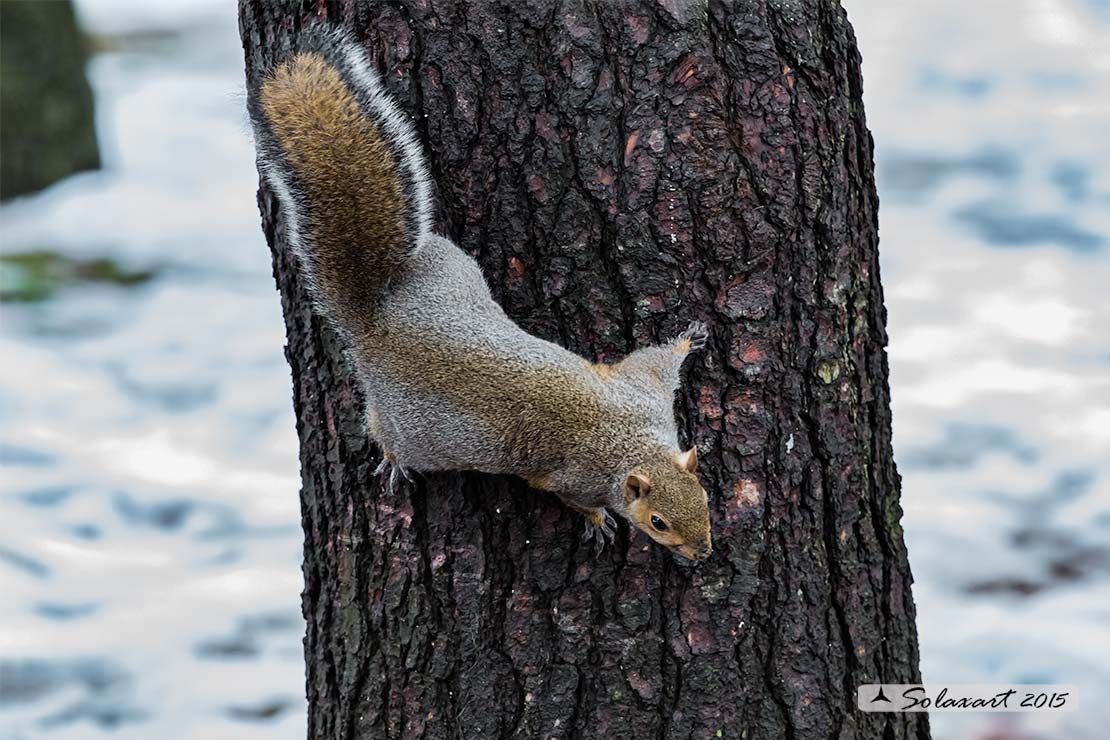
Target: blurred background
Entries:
(149, 522)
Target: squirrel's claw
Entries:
(601, 528)
(697, 334)
(396, 472)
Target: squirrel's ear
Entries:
(636, 485)
(688, 460)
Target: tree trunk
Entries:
(618, 170)
(49, 127)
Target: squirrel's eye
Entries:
(658, 523)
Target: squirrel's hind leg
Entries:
(396, 470)
(389, 461)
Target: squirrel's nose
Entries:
(705, 550)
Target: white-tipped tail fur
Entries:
(347, 169)
(398, 128)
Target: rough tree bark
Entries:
(619, 169)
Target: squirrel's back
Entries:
(347, 170)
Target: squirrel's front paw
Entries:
(697, 334)
(396, 471)
(601, 528)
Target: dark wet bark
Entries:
(620, 169)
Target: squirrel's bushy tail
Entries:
(346, 167)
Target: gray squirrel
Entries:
(451, 383)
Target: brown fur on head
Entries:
(666, 501)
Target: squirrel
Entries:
(450, 381)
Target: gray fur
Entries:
(428, 424)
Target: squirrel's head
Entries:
(665, 500)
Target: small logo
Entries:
(880, 696)
(903, 697)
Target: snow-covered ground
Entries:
(149, 521)
(990, 121)
(149, 524)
